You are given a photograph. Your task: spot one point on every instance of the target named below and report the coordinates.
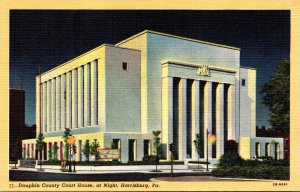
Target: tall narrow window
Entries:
(189, 118)
(83, 99)
(96, 92)
(89, 94)
(201, 116)
(225, 114)
(214, 118)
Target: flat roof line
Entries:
(178, 37)
(253, 68)
(69, 61)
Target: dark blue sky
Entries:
(50, 38)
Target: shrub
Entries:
(230, 159)
(260, 172)
(251, 163)
(54, 161)
(272, 162)
(150, 159)
(232, 165)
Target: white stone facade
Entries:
(151, 81)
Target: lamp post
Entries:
(70, 168)
(207, 150)
(209, 139)
(70, 141)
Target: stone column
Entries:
(139, 149)
(195, 115)
(63, 97)
(182, 121)
(74, 99)
(80, 97)
(231, 112)
(94, 93)
(207, 116)
(48, 106)
(53, 104)
(69, 100)
(87, 92)
(38, 110)
(33, 152)
(124, 149)
(167, 114)
(57, 101)
(44, 94)
(220, 120)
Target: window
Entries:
(146, 147)
(257, 149)
(267, 149)
(125, 66)
(243, 82)
(115, 144)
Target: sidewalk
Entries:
(111, 171)
(203, 178)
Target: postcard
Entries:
(149, 96)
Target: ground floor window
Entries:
(115, 144)
(146, 147)
(267, 149)
(257, 150)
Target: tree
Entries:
(50, 153)
(86, 150)
(40, 145)
(198, 142)
(157, 146)
(277, 98)
(94, 149)
(14, 152)
(66, 135)
(54, 149)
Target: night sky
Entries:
(50, 38)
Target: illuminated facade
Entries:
(152, 81)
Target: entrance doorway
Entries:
(132, 150)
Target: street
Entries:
(18, 175)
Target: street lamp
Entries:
(70, 141)
(211, 138)
(207, 150)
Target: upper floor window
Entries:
(125, 66)
(243, 82)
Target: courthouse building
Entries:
(152, 81)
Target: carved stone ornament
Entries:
(203, 70)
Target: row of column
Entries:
(28, 151)
(182, 120)
(70, 100)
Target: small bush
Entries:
(230, 159)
